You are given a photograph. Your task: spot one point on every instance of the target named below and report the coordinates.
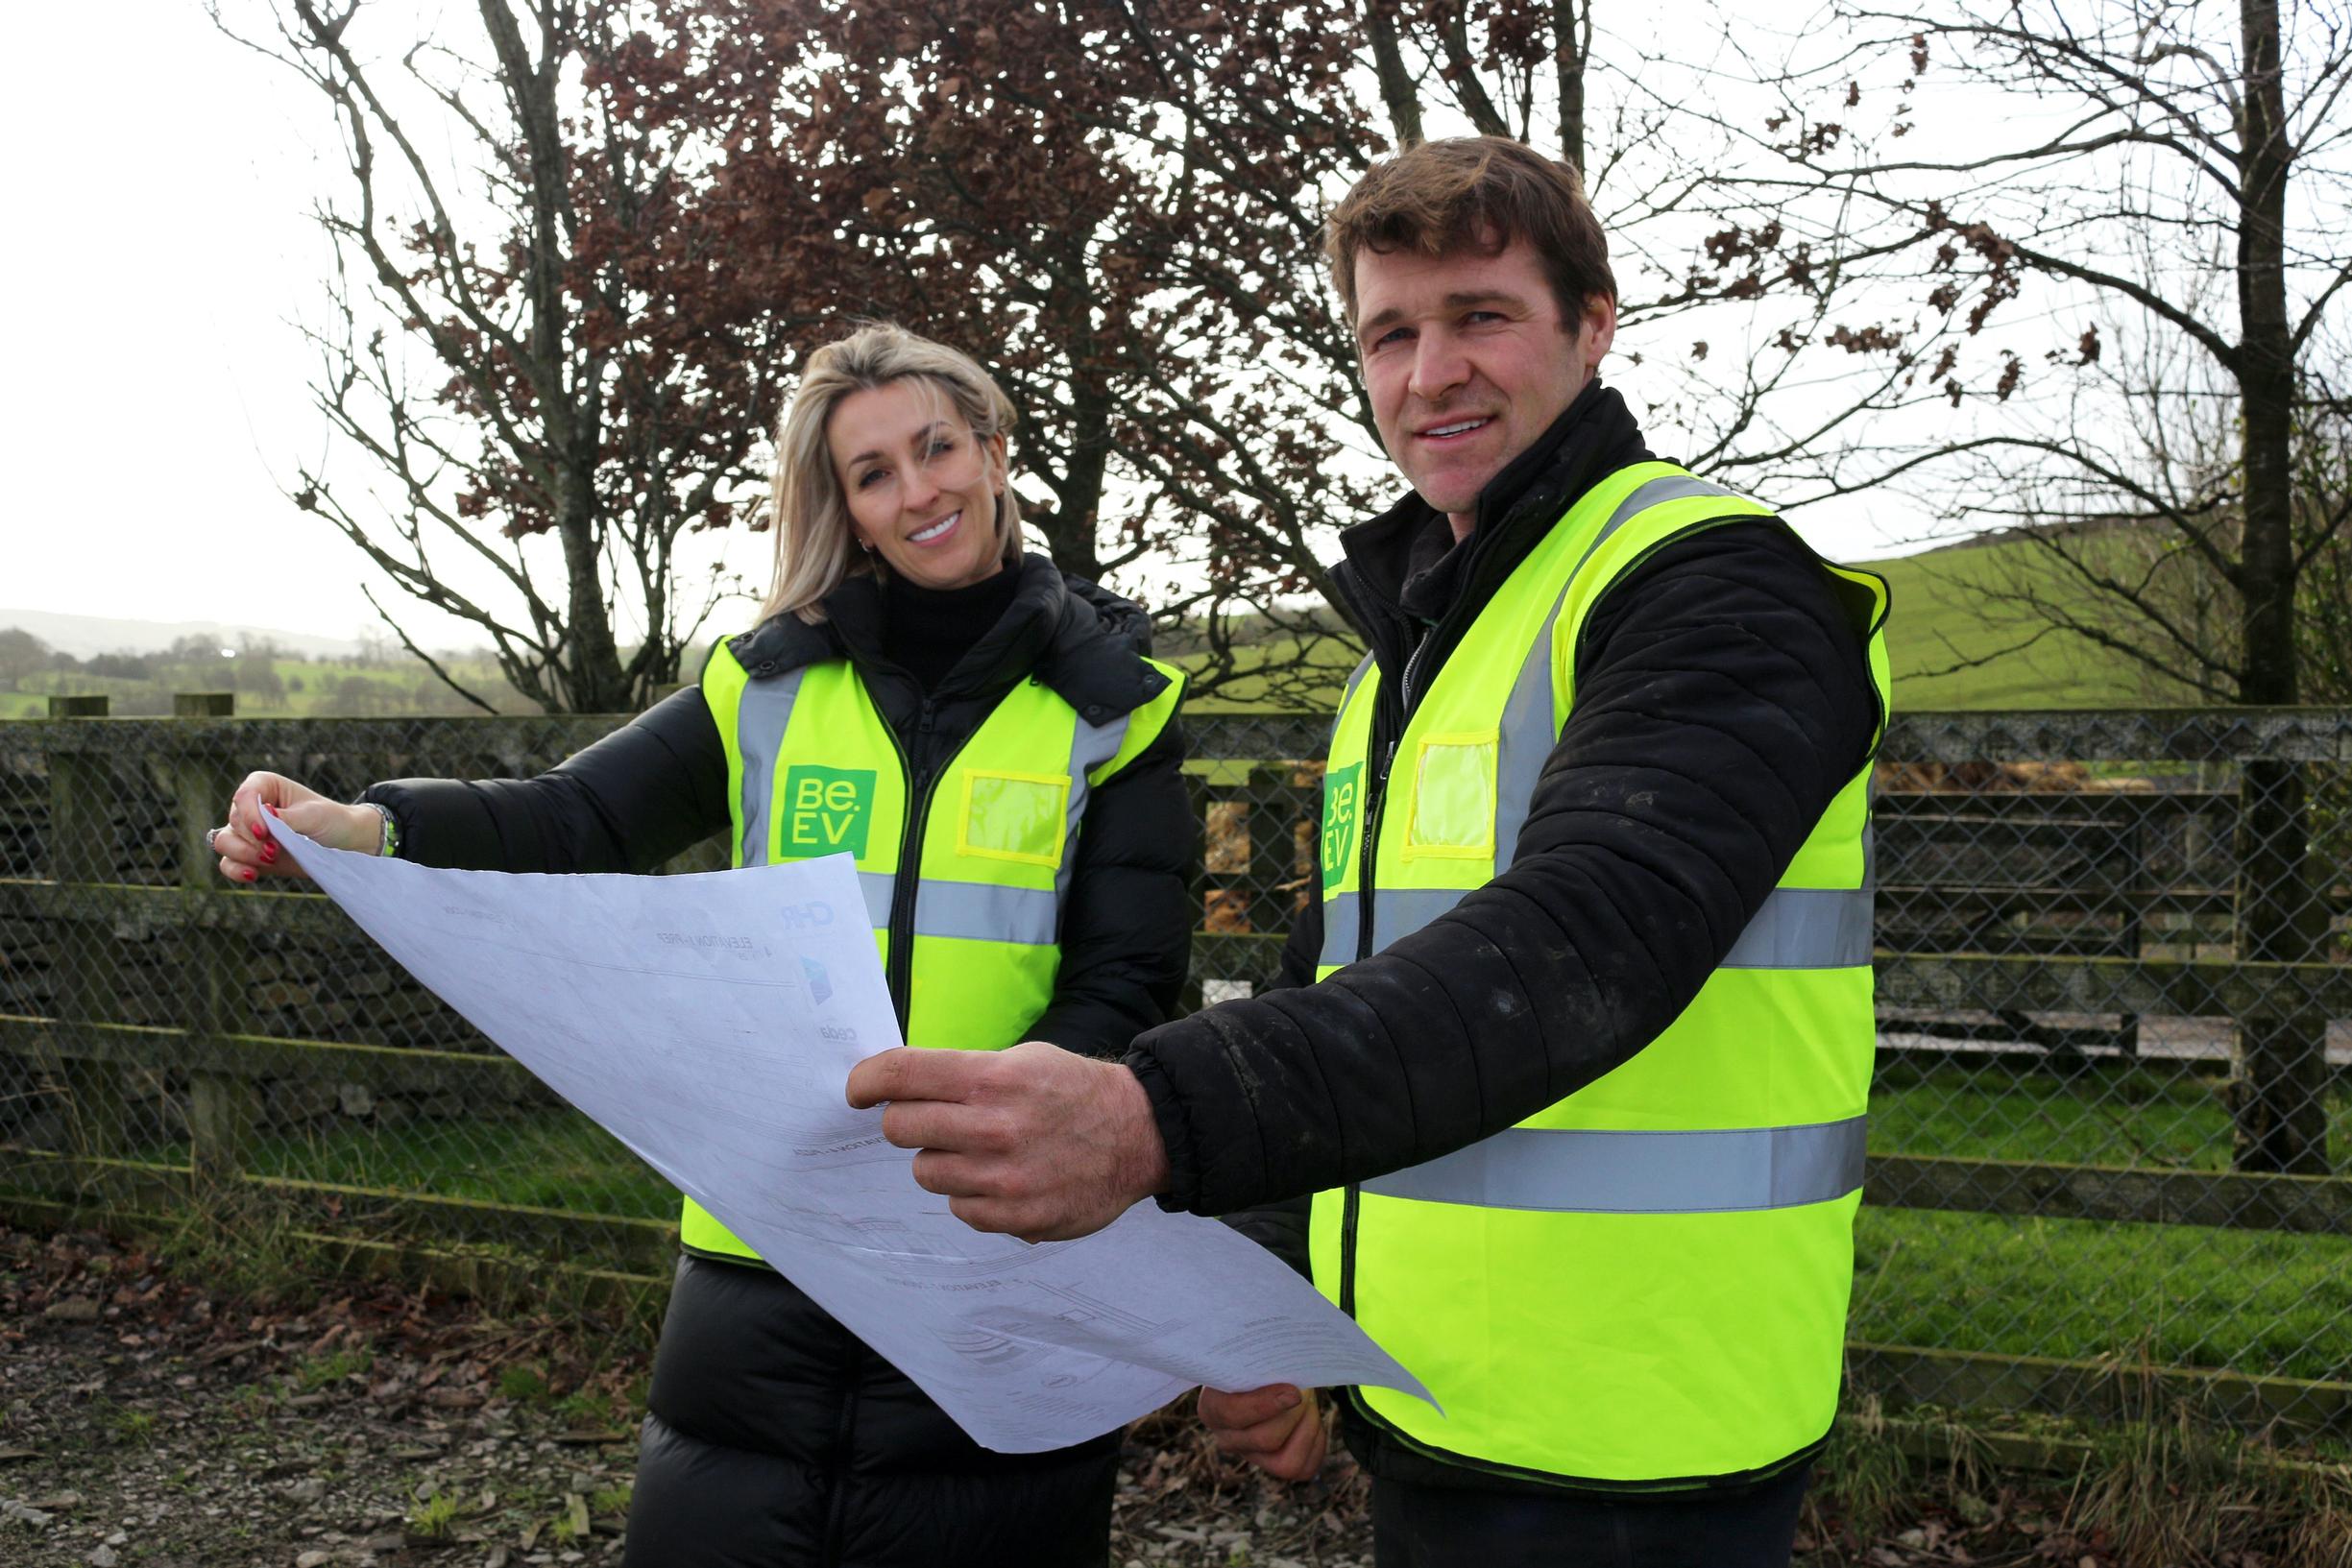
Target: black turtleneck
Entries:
(927, 631)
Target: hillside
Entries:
(84, 636)
(1943, 616)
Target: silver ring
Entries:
(211, 833)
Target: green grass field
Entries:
(2148, 1119)
(1952, 643)
(304, 688)
(1947, 614)
(2263, 1303)
(551, 1159)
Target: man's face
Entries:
(1466, 362)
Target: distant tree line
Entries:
(266, 677)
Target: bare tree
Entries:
(1118, 204)
(502, 347)
(2172, 178)
(2322, 472)
(1773, 305)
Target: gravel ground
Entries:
(147, 1420)
(144, 1420)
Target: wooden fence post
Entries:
(2279, 1071)
(223, 1108)
(81, 849)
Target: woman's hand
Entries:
(249, 853)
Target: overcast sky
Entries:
(160, 245)
(157, 187)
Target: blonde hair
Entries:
(815, 551)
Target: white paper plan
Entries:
(710, 1023)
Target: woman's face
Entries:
(922, 489)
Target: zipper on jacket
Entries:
(1376, 803)
(904, 887)
(900, 979)
(841, 1469)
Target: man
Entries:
(1573, 1051)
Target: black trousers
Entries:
(1438, 1527)
(776, 1439)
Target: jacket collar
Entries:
(1079, 639)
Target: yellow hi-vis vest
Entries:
(1643, 1284)
(970, 875)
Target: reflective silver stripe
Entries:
(1806, 927)
(761, 716)
(1090, 747)
(984, 912)
(1527, 736)
(1672, 487)
(1343, 918)
(880, 887)
(1565, 1170)
(1355, 679)
(1400, 911)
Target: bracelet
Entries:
(391, 845)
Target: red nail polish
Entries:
(269, 853)
(251, 874)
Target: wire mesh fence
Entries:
(2115, 1051)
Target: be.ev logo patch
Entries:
(827, 809)
(1342, 804)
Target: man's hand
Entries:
(1035, 1140)
(1278, 1428)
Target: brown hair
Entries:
(1474, 193)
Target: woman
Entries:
(985, 736)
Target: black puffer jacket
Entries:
(776, 1438)
(1722, 698)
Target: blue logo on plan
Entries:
(819, 987)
